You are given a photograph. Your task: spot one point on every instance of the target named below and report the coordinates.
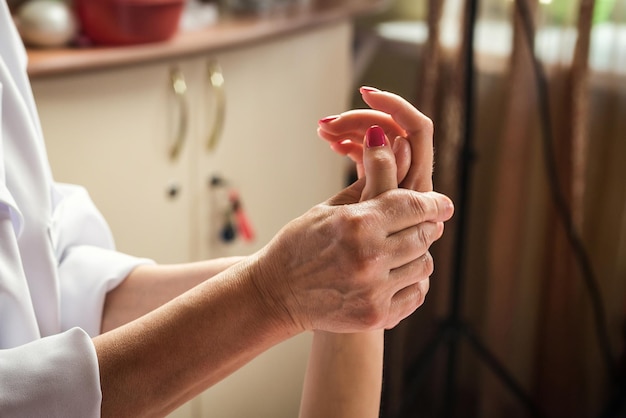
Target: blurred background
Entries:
(541, 264)
(526, 315)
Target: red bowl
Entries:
(125, 22)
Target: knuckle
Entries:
(424, 236)
(420, 205)
(428, 263)
(416, 297)
(366, 261)
(353, 222)
(380, 160)
(356, 238)
(373, 317)
(442, 205)
(420, 297)
(412, 297)
(372, 309)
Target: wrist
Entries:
(267, 283)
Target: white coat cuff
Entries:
(56, 376)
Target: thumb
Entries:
(380, 170)
(379, 164)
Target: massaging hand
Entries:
(399, 119)
(347, 266)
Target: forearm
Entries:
(150, 286)
(153, 364)
(344, 376)
(300, 280)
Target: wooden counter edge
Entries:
(227, 34)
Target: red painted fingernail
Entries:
(375, 137)
(366, 89)
(328, 119)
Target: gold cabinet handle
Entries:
(216, 80)
(179, 86)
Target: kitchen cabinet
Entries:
(113, 131)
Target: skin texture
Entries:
(150, 286)
(353, 264)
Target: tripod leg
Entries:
(418, 369)
(616, 408)
(500, 371)
(449, 401)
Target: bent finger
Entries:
(419, 131)
(417, 270)
(405, 208)
(411, 244)
(353, 124)
(407, 300)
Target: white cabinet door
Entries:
(269, 150)
(275, 93)
(112, 132)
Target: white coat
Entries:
(56, 263)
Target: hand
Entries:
(400, 120)
(349, 266)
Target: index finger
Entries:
(404, 208)
(419, 131)
(352, 124)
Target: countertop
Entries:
(225, 34)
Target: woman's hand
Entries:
(400, 121)
(347, 266)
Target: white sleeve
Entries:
(55, 376)
(89, 266)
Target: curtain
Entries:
(543, 285)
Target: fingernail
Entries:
(375, 136)
(367, 89)
(396, 144)
(328, 119)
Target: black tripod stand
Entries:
(453, 329)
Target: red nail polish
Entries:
(367, 89)
(328, 119)
(375, 137)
